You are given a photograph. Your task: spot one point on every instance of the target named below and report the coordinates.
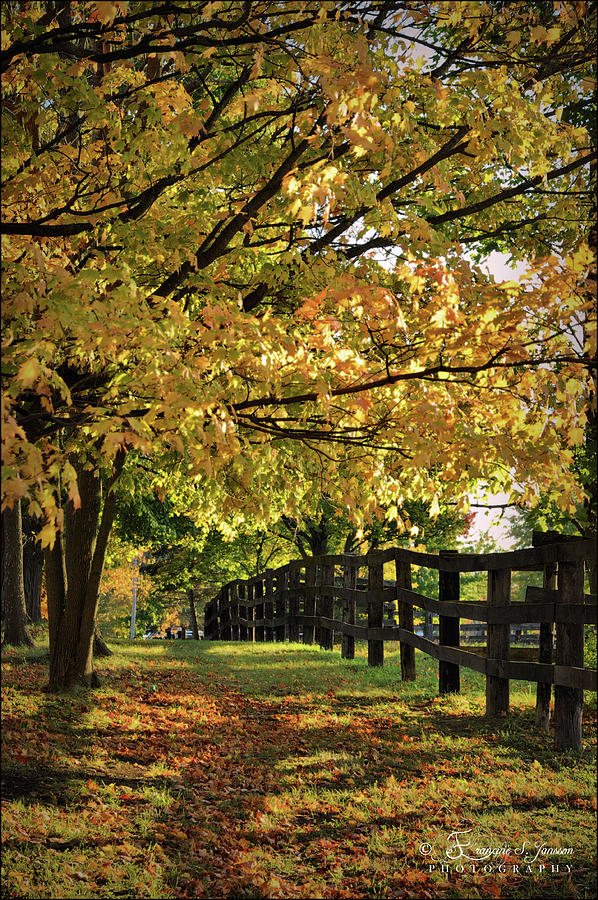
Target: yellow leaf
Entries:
(575, 437)
(15, 489)
(305, 214)
(29, 373)
(513, 38)
(105, 12)
(538, 34)
(189, 124)
(70, 479)
(553, 34)
(47, 536)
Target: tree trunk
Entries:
(74, 600)
(55, 586)
(193, 613)
(33, 566)
(100, 647)
(15, 612)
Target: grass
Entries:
(276, 770)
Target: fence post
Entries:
(544, 689)
(250, 612)
(309, 602)
(215, 626)
(234, 611)
(259, 610)
(318, 605)
(294, 581)
(221, 621)
(214, 619)
(242, 611)
(403, 576)
(327, 606)
(448, 629)
(224, 609)
(269, 605)
(207, 616)
(568, 701)
(217, 617)
(280, 608)
(349, 608)
(498, 643)
(375, 609)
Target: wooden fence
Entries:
(299, 601)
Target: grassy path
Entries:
(232, 770)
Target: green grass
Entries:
(273, 770)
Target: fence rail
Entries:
(303, 599)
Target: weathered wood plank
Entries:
(327, 606)
(294, 601)
(576, 614)
(375, 610)
(268, 604)
(498, 644)
(448, 590)
(224, 615)
(562, 549)
(259, 610)
(535, 594)
(250, 613)
(349, 609)
(309, 603)
(517, 613)
(459, 656)
(242, 611)
(234, 610)
(403, 582)
(338, 592)
(281, 578)
(481, 612)
(576, 678)
(544, 689)
(568, 701)
(355, 631)
(510, 559)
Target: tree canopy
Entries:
(244, 240)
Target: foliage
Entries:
(546, 515)
(229, 770)
(327, 529)
(114, 612)
(240, 238)
(179, 553)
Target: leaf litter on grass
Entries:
(273, 771)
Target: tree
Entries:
(13, 590)
(186, 564)
(74, 564)
(326, 529)
(33, 567)
(236, 237)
